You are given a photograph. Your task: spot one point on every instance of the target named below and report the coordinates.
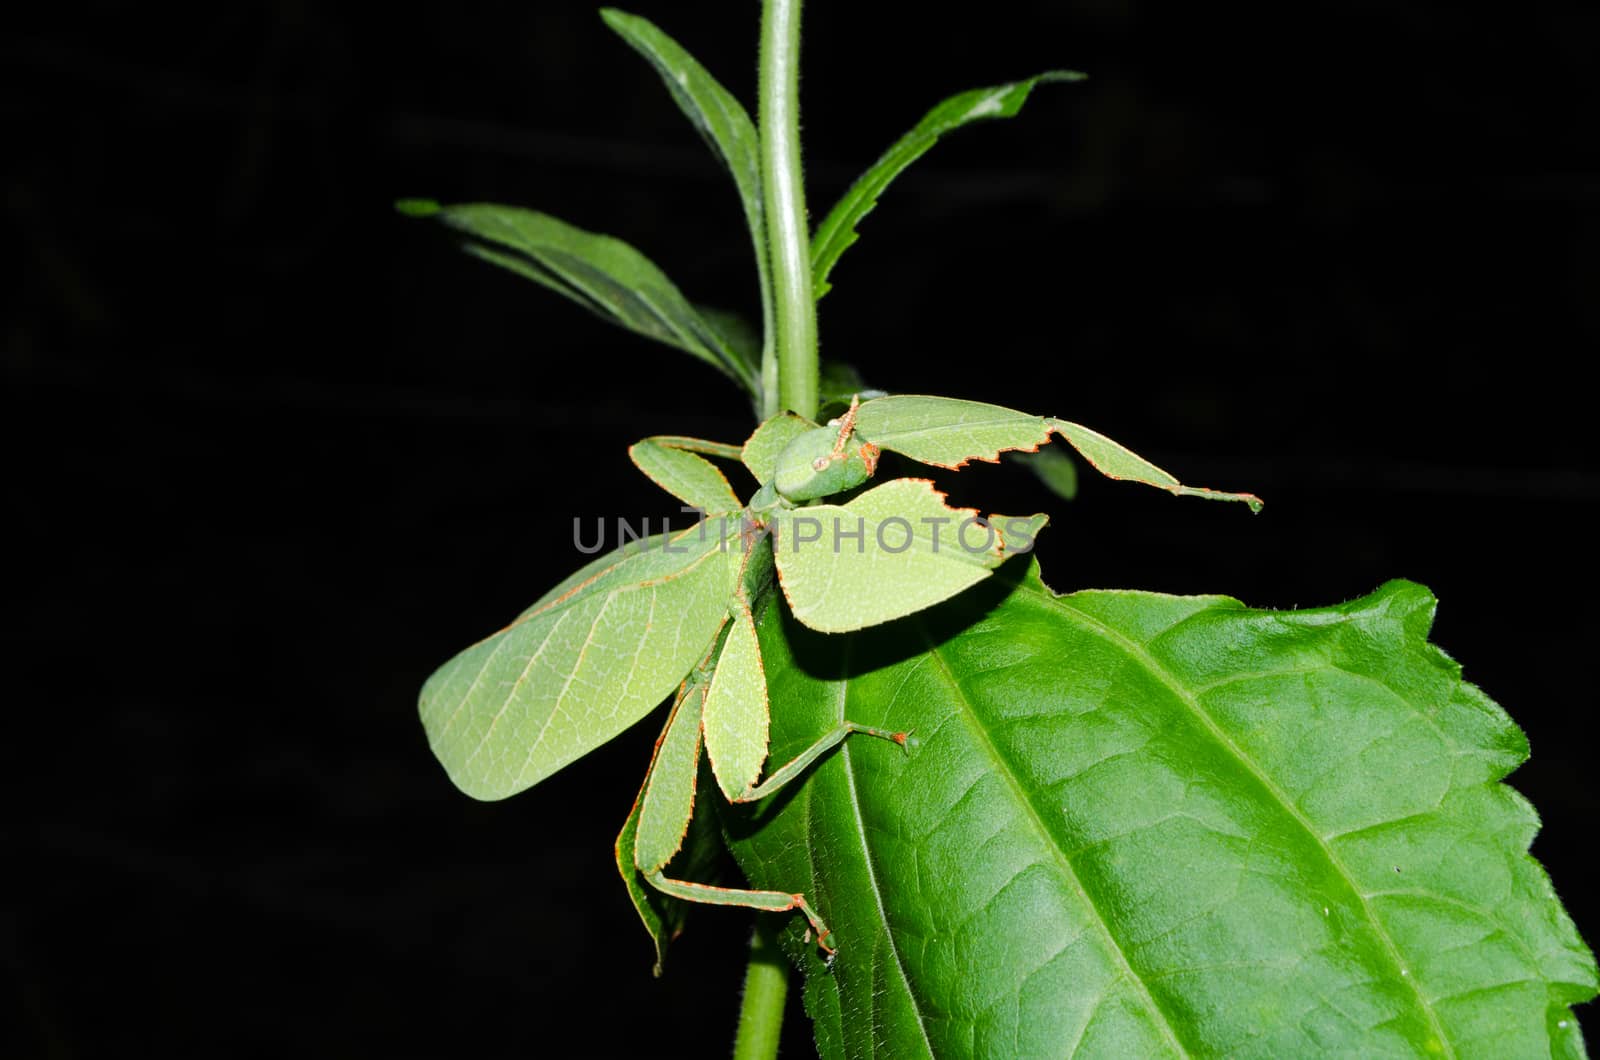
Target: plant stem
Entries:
(783, 190)
(766, 986)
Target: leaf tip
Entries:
(417, 207)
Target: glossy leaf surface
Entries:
(1144, 825)
(838, 230)
(604, 275)
(566, 677)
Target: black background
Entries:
(275, 453)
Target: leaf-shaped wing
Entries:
(838, 230)
(598, 566)
(1145, 825)
(602, 274)
(565, 678)
(890, 552)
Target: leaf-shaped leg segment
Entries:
(735, 721)
(767, 901)
(735, 718)
(667, 802)
(663, 815)
(671, 463)
(762, 449)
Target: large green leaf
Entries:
(720, 119)
(838, 230)
(1145, 825)
(604, 275)
(567, 676)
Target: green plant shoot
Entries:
(1206, 830)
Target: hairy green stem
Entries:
(790, 381)
(783, 190)
(766, 987)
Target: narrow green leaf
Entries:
(692, 479)
(892, 551)
(721, 121)
(565, 678)
(604, 275)
(737, 333)
(1117, 461)
(762, 449)
(735, 715)
(667, 802)
(1146, 825)
(416, 207)
(838, 229)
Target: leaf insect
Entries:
(601, 649)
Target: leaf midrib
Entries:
(866, 854)
(1141, 655)
(1004, 769)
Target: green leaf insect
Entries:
(676, 611)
